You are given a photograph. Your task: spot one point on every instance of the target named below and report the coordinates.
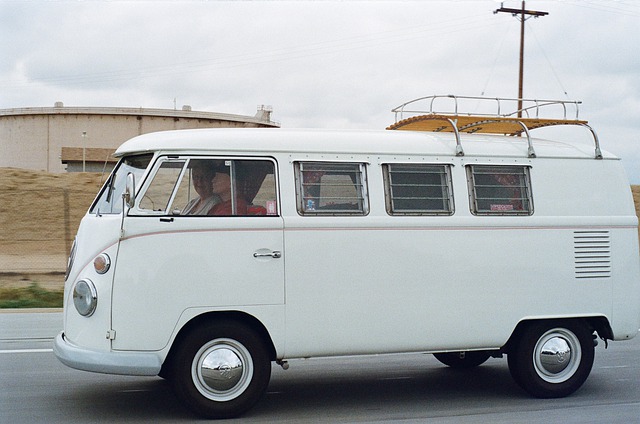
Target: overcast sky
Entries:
(324, 64)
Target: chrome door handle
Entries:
(275, 254)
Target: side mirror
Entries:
(130, 190)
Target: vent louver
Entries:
(592, 251)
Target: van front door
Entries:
(204, 234)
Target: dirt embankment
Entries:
(636, 198)
(39, 216)
(39, 206)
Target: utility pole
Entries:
(521, 14)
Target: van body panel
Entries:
(205, 261)
(383, 289)
(346, 142)
(625, 293)
(272, 317)
(96, 235)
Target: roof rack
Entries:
(490, 119)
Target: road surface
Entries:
(411, 388)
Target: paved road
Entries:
(414, 388)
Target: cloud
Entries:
(320, 64)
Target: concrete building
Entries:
(59, 138)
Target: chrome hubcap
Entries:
(222, 369)
(557, 355)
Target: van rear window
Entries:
(418, 189)
(499, 190)
(328, 188)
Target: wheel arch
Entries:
(598, 324)
(238, 317)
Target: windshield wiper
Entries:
(110, 189)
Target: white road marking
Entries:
(27, 351)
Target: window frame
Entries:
(109, 198)
(149, 183)
(362, 195)
(186, 160)
(526, 198)
(446, 189)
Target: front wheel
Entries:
(221, 370)
(552, 359)
(462, 360)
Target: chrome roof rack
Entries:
(488, 117)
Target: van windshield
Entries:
(110, 199)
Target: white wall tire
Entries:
(220, 370)
(552, 359)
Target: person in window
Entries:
(202, 173)
(221, 186)
(509, 194)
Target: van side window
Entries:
(158, 196)
(195, 195)
(499, 190)
(418, 189)
(331, 188)
(243, 188)
(212, 187)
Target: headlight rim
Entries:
(106, 263)
(84, 307)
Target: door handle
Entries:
(275, 254)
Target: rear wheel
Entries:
(462, 360)
(221, 370)
(552, 359)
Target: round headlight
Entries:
(85, 297)
(101, 263)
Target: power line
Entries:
(555, 74)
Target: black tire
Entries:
(552, 359)
(462, 360)
(221, 370)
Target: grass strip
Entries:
(32, 296)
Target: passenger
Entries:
(202, 173)
(221, 186)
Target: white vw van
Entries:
(209, 254)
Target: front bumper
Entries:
(123, 363)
